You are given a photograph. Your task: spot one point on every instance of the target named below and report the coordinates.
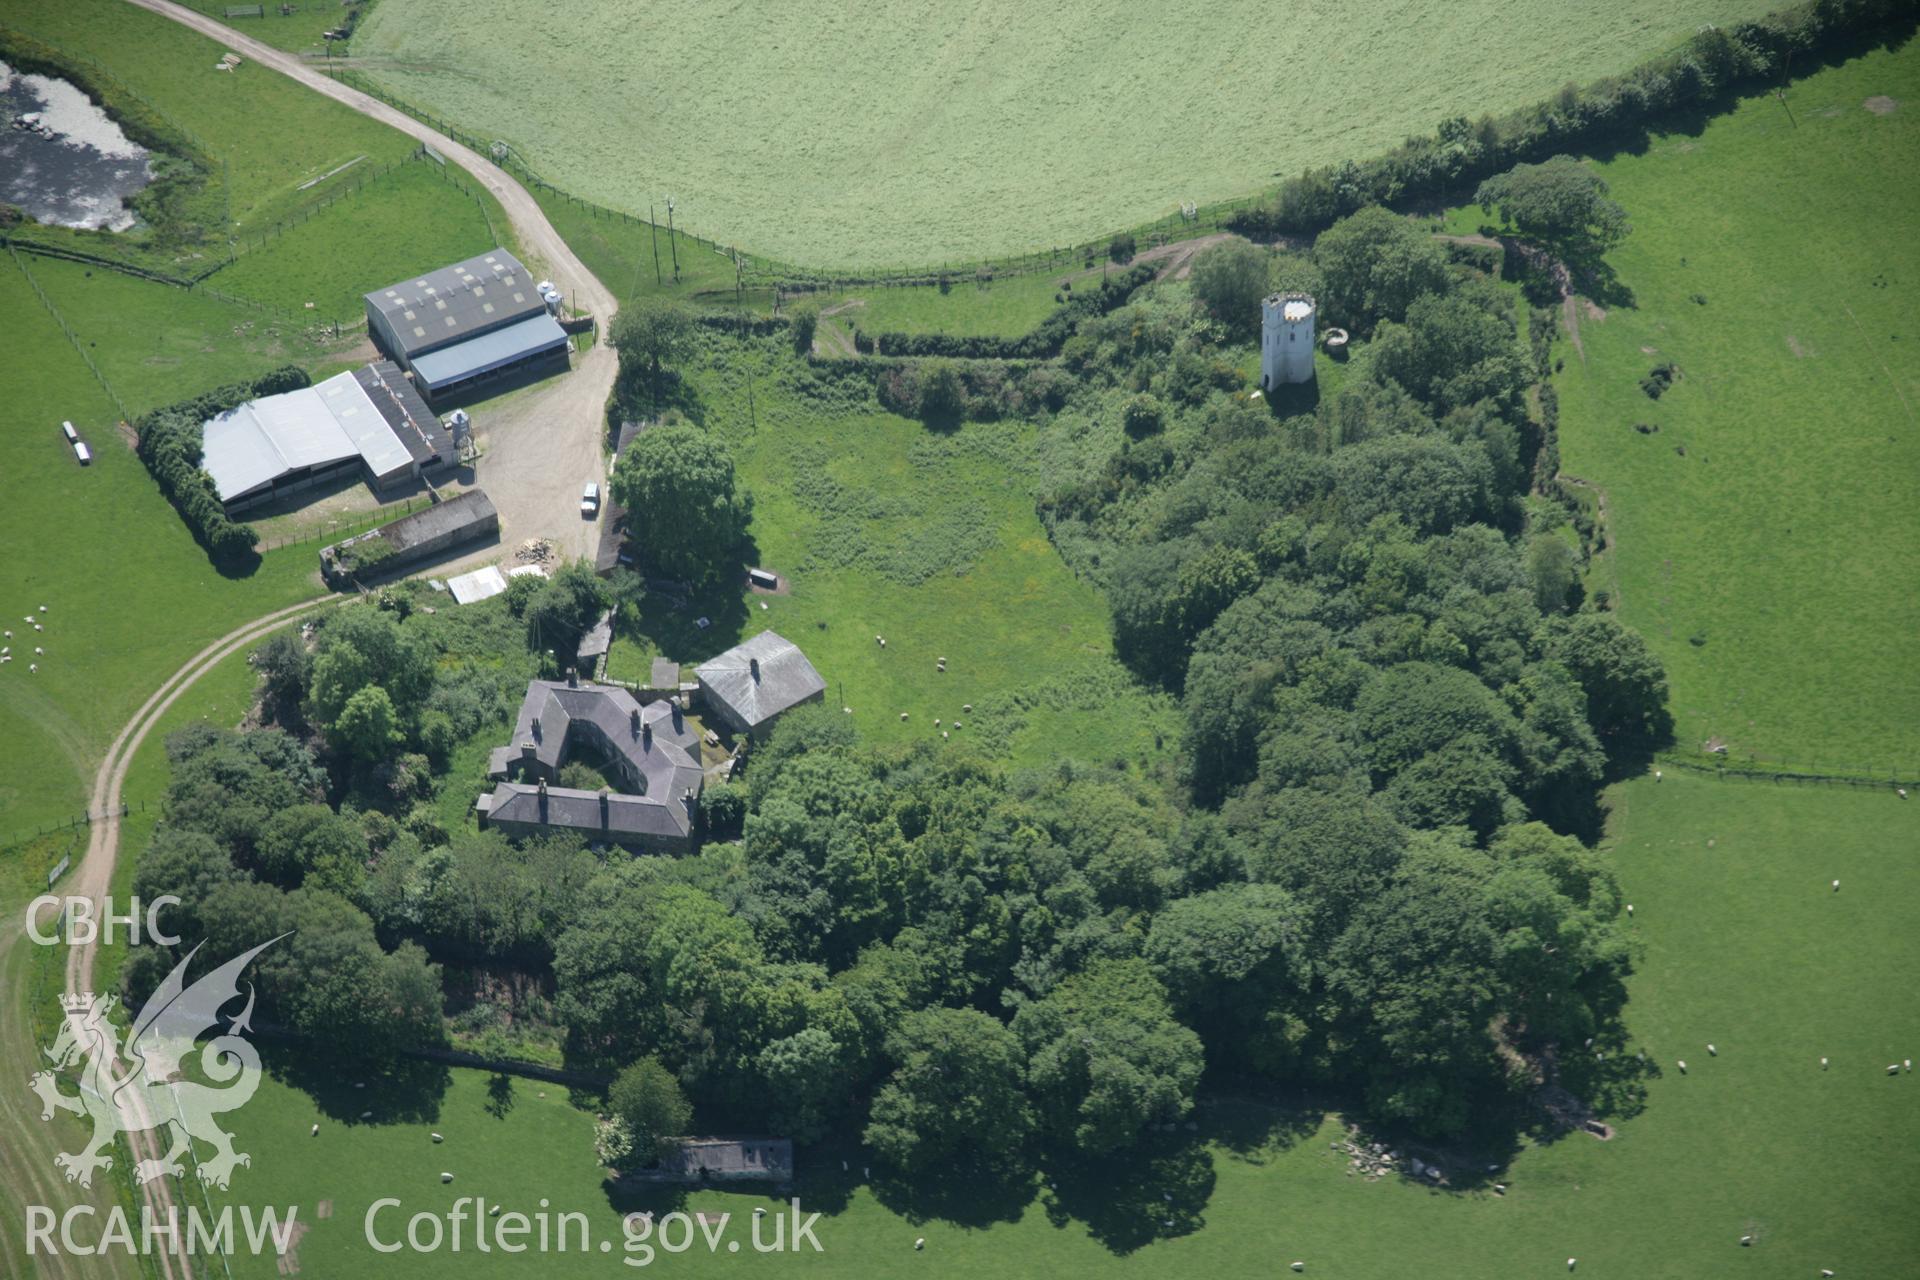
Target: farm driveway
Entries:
(541, 446)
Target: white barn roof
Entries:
(254, 444)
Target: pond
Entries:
(62, 159)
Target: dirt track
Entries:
(541, 447)
(544, 444)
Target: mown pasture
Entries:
(1763, 524)
(843, 133)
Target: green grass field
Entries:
(860, 133)
(270, 134)
(407, 221)
(1770, 564)
(929, 539)
(130, 595)
(1744, 946)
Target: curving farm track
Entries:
(540, 450)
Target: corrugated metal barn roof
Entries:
(254, 444)
(457, 302)
(489, 351)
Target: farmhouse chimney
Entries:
(573, 677)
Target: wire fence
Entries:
(1809, 772)
(335, 530)
(72, 340)
(78, 822)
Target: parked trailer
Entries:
(73, 437)
(81, 452)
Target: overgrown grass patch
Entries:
(886, 528)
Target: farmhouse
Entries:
(730, 1159)
(752, 684)
(467, 326)
(370, 420)
(654, 750)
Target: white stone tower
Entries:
(1286, 339)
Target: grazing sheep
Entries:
(446, 1177)
(1746, 1240)
(921, 1243)
(848, 710)
(1823, 1064)
(1712, 1052)
(1629, 908)
(1902, 791)
(1299, 1266)
(438, 1138)
(1893, 1068)
(903, 715)
(1572, 1262)
(33, 667)
(965, 706)
(1836, 886)
(314, 1132)
(1658, 776)
(1908, 1063)
(1683, 1066)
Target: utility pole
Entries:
(673, 242)
(655, 225)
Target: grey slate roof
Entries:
(469, 512)
(597, 641)
(454, 303)
(686, 1159)
(612, 813)
(760, 678)
(657, 743)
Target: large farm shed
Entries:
(370, 420)
(463, 327)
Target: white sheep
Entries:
(1683, 1066)
(1713, 1052)
(1572, 1262)
(1629, 908)
(1836, 886)
(1823, 1064)
(1657, 775)
(1893, 1068)
(446, 1177)
(1746, 1240)
(314, 1132)
(1299, 1266)
(921, 1243)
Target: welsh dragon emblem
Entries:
(142, 1087)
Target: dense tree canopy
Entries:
(1560, 201)
(683, 510)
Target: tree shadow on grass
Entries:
(407, 1091)
(1156, 1191)
(967, 1197)
(499, 1095)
